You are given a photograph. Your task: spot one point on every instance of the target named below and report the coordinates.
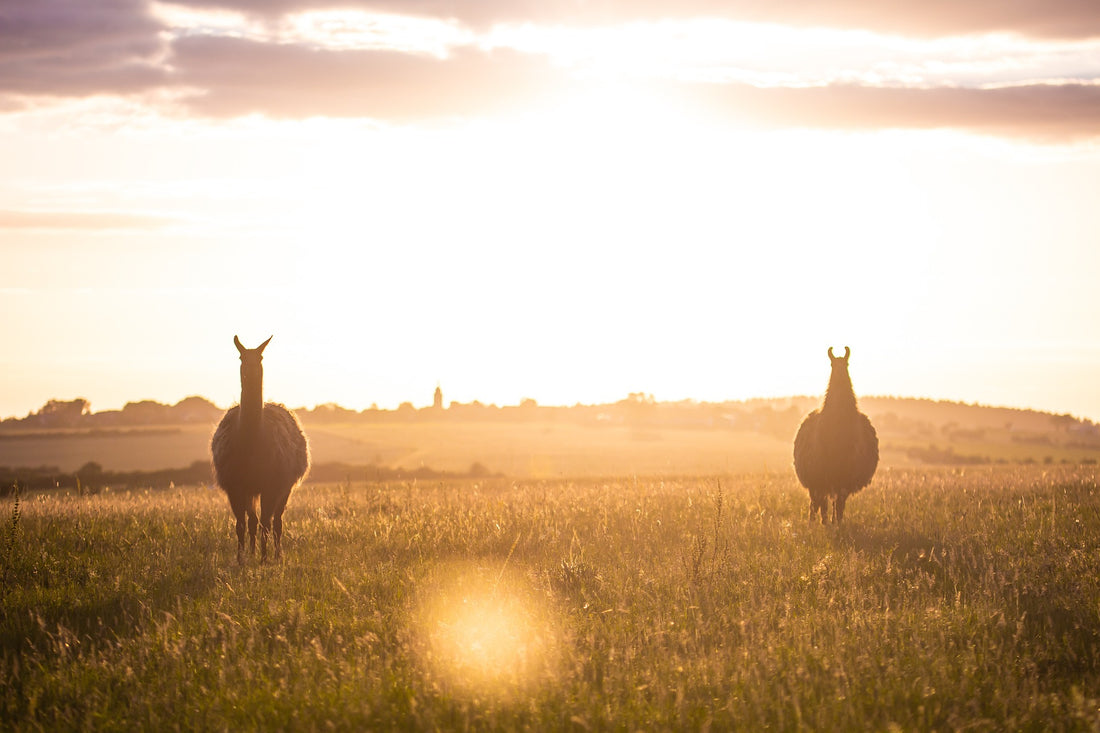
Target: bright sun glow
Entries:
(602, 230)
(484, 635)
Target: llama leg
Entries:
(277, 534)
(252, 531)
(239, 510)
(272, 523)
(817, 506)
(265, 530)
(271, 512)
(840, 499)
(240, 536)
(277, 527)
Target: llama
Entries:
(836, 448)
(260, 454)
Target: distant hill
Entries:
(776, 415)
(76, 413)
(636, 435)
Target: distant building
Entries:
(437, 400)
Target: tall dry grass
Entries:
(948, 600)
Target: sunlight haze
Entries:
(566, 206)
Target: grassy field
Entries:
(949, 600)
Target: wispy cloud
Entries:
(778, 55)
(401, 60)
(237, 77)
(1041, 112)
(1038, 18)
(55, 47)
(79, 220)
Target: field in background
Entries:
(912, 434)
(529, 450)
(962, 598)
(549, 450)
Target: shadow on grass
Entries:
(78, 613)
(899, 541)
(1046, 610)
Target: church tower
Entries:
(437, 400)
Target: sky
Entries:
(563, 200)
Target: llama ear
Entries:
(847, 353)
(831, 357)
(262, 346)
(240, 347)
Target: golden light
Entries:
(482, 633)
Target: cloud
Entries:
(1039, 18)
(1050, 112)
(237, 77)
(78, 220)
(241, 77)
(61, 47)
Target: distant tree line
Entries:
(779, 418)
(638, 409)
(77, 414)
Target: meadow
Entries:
(950, 599)
(911, 433)
(532, 450)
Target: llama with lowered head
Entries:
(836, 448)
(260, 454)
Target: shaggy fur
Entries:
(260, 454)
(836, 448)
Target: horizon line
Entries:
(538, 405)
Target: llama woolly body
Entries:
(278, 457)
(260, 453)
(836, 448)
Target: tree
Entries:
(145, 412)
(1063, 423)
(639, 407)
(195, 409)
(62, 414)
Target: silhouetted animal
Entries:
(260, 454)
(836, 448)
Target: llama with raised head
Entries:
(836, 448)
(260, 454)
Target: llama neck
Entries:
(252, 405)
(840, 397)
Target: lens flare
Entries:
(484, 634)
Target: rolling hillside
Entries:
(635, 436)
